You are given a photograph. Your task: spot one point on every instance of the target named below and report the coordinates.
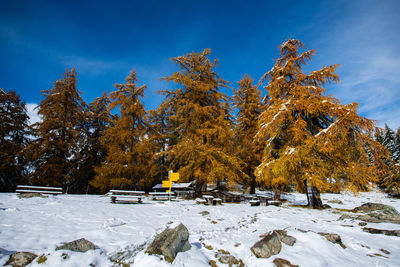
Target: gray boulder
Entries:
(285, 238)
(80, 245)
(377, 213)
(268, 246)
(374, 213)
(21, 259)
(170, 242)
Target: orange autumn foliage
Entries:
(311, 136)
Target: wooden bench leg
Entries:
(113, 199)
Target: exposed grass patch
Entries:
(209, 247)
(42, 259)
(64, 256)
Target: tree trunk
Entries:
(277, 194)
(313, 196)
(198, 189)
(253, 185)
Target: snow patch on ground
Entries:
(38, 225)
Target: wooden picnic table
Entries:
(126, 196)
(162, 195)
(24, 189)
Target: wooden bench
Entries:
(264, 198)
(255, 202)
(124, 196)
(274, 202)
(201, 201)
(217, 201)
(161, 195)
(25, 189)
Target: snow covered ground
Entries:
(38, 225)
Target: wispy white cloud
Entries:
(365, 45)
(92, 66)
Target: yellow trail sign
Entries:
(174, 177)
(166, 184)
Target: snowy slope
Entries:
(38, 225)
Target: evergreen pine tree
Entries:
(200, 123)
(129, 158)
(312, 139)
(247, 100)
(388, 138)
(390, 142)
(92, 152)
(54, 152)
(13, 139)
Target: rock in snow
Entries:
(285, 238)
(377, 213)
(80, 245)
(334, 238)
(268, 246)
(279, 262)
(30, 195)
(374, 213)
(382, 231)
(170, 242)
(21, 259)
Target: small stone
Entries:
(204, 212)
(268, 246)
(21, 259)
(303, 231)
(385, 251)
(288, 240)
(228, 259)
(80, 245)
(362, 223)
(279, 262)
(334, 238)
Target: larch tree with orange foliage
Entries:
(54, 151)
(200, 123)
(247, 101)
(129, 158)
(313, 141)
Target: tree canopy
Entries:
(311, 137)
(200, 120)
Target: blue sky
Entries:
(104, 40)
